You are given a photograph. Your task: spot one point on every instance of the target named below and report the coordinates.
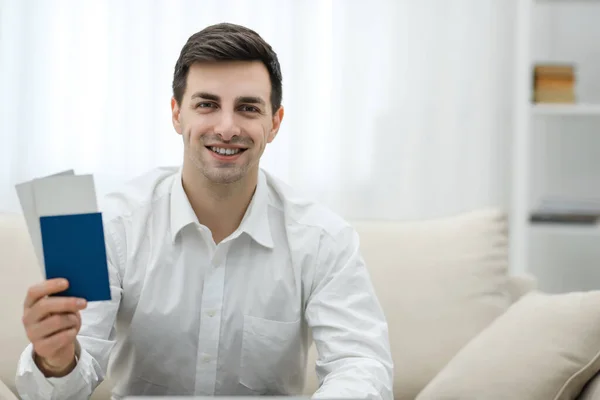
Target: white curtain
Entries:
(394, 108)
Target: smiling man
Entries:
(221, 275)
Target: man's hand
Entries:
(52, 325)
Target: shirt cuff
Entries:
(27, 366)
(49, 385)
(64, 380)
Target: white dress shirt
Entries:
(191, 317)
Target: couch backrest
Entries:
(440, 282)
(19, 269)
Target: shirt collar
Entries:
(182, 213)
(255, 222)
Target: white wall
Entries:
(394, 108)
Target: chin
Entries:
(223, 176)
(223, 180)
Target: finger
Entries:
(77, 316)
(51, 326)
(51, 345)
(52, 305)
(43, 289)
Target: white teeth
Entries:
(225, 152)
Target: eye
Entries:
(206, 104)
(247, 108)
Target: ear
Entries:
(277, 118)
(175, 115)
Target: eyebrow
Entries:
(241, 99)
(250, 100)
(205, 95)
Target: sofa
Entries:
(461, 327)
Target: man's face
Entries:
(225, 118)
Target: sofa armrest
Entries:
(591, 391)
(519, 285)
(5, 393)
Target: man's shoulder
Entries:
(303, 212)
(138, 194)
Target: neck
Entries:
(219, 207)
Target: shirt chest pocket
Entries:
(272, 357)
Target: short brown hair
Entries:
(227, 42)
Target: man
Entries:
(221, 276)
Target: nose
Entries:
(226, 127)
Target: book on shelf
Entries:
(554, 83)
(567, 210)
(541, 217)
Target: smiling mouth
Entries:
(222, 151)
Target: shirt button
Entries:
(211, 313)
(206, 359)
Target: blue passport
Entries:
(74, 249)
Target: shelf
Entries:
(566, 109)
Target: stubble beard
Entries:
(224, 174)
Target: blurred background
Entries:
(395, 109)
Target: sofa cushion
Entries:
(20, 270)
(520, 285)
(591, 391)
(440, 282)
(5, 393)
(544, 347)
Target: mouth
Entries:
(226, 152)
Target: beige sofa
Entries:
(455, 330)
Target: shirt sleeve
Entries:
(348, 325)
(96, 339)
